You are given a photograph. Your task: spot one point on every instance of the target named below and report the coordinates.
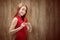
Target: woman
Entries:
(20, 23)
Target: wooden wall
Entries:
(44, 16)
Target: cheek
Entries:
(24, 12)
(19, 11)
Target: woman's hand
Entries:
(29, 27)
(23, 24)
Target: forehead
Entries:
(23, 7)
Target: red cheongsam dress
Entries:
(21, 34)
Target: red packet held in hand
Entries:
(25, 20)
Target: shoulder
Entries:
(15, 19)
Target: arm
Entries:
(13, 24)
(29, 27)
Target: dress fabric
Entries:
(21, 34)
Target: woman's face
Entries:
(22, 11)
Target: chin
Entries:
(22, 15)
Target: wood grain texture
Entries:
(44, 16)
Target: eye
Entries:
(23, 9)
